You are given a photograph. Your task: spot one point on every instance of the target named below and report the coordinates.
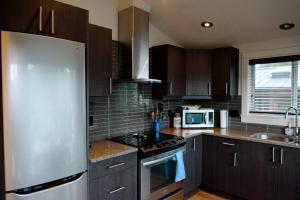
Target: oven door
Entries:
(157, 176)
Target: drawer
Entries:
(121, 185)
(113, 165)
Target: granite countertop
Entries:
(105, 149)
(228, 133)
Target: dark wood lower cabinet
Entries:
(251, 170)
(114, 179)
(289, 173)
(118, 186)
(193, 164)
(221, 167)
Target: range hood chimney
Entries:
(133, 34)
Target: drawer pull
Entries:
(116, 190)
(228, 144)
(116, 165)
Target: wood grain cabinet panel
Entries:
(100, 60)
(193, 164)
(198, 72)
(66, 21)
(168, 65)
(251, 170)
(114, 178)
(44, 17)
(27, 16)
(225, 71)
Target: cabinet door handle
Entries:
(273, 154)
(110, 85)
(209, 88)
(116, 165)
(226, 88)
(234, 159)
(281, 156)
(41, 19)
(171, 88)
(194, 144)
(52, 22)
(228, 144)
(116, 190)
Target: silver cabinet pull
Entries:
(228, 144)
(194, 144)
(116, 165)
(209, 88)
(171, 88)
(52, 22)
(41, 19)
(273, 154)
(110, 85)
(226, 85)
(281, 156)
(116, 190)
(234, 159)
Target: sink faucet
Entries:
(296, 120)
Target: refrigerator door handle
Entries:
(77, 189)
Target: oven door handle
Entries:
(152, 162)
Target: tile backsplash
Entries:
(129, 106)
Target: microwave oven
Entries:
(198, 118)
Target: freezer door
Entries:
(44, 109)
(76, 190)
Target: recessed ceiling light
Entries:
(286, 26)
(207, 24)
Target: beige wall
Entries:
(105, 13)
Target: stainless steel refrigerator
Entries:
(44, 117)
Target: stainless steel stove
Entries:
(157, 164)
(150, 144)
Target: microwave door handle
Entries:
(205, 120)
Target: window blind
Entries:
(274, 84)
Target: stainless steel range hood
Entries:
(133, 29)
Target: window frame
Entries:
(262, 118)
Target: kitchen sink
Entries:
(296, 142)
(274, 137)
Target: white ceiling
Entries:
(235, 21)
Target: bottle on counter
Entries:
(177, 120)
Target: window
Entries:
(270, 83)
(274, 84)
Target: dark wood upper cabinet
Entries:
(23, 16)
(225, 71)
(45, 17)
(168, 65)
(66, 21)
(198, 72)
(100, 60)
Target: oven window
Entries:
(163, 174)
(194, 118)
